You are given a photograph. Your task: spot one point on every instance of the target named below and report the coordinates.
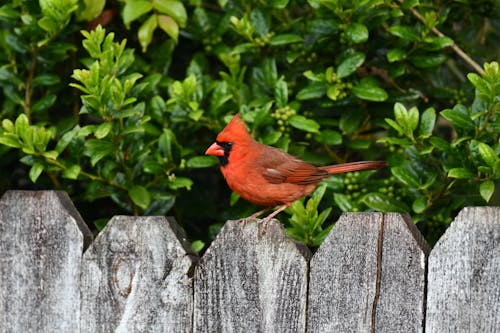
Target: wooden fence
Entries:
(373, 273)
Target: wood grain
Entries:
(137, 277)
(464, 274)
(368, 276)
(253, 278)
(42, 237)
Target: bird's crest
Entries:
(235, 131)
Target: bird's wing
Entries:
(279, 167)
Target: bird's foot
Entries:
(254, 216)
(276, 212)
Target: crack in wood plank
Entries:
(379, 273)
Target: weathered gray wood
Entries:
(253, 278)
(368, 276)
(41, 243)
(136, 277)
(464, 275)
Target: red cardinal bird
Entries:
(267, 176)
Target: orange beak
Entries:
(215, 150)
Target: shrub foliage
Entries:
(119, 116)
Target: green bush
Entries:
(120, 117)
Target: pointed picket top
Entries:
(42, 237)
(368, 276)
(253, 278)
(464, 274)
(137, 277)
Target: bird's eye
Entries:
(225, 144)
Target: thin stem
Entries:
(86, 174)
(29, 83)
(454, 46)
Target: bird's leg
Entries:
(276, 212)
(260, 212)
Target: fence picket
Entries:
(368, 276)
(464, 274)
(41, 243)
(136, 278)
(140, 274)
(253, 278)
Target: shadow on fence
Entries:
(373, 273)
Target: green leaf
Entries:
(329, 137)
(342, 202)
(46, 80)
(356, 33)
(65, 140)
(401, 115)
(435, 43)
(10, 140)
(316, 197)
(140, 196)
(134, 9)
(35, 171)
(8, 125)
(395, 125)
(304, 124)
(168, 25)
(44, 103)
(233, 199)
(359, 144)
(486, 189)
(310, 75)
(413, 116)
(285, 39)
(172, 8)
(487, 153)
(428, 60)
(271, 138)
(100, 224)
(460, 173)
(350, 121)
(91, 10)
(197, 245)
(7, 11)
(396, 55)
(405, 33)
(312, 91)
(406, 176)
(180, 182)
(152, 166)
(481, 84)
(439, 143)
(168, 146)
(72, 172)
(459, 117)
(420, 205)
(383, 203)
(145, 32)
(201, 162)
(281, 94)
(370, 93)
(103, 130)
(48, 24)
(349, 65)
(51, 154)
(22, 125)
(6, 75)
(395, 141)
(280, 4)
(98, 149)
(427, 123)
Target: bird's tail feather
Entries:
(354, 166)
